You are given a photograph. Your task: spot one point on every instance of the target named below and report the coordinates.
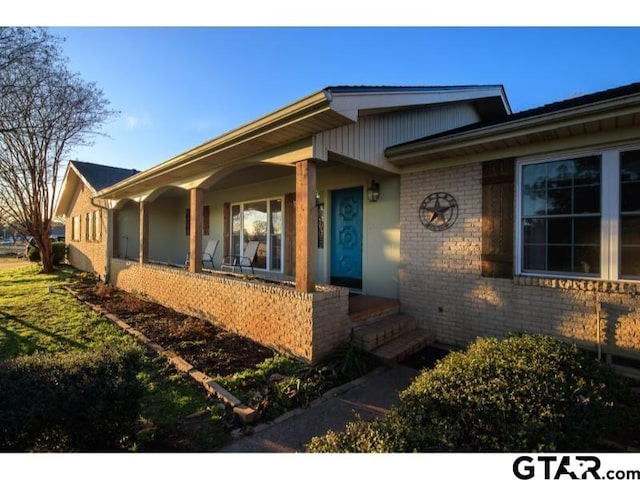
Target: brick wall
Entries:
(305, 325)
(86, 255)
(441, 284)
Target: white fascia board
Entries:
(81, 177)
(525, 126)
(303, 108)
(65, 195)
(351, 104)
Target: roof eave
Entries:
(352, 102)
(63, 202)
(401, 153)
(316, 102)
(345, 104)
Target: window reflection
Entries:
(260, 221)
(561, 216)
(630, 214)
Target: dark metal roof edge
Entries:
(555, 107)
(407, 88)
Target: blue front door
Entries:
(346, 237)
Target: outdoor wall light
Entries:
(373, 192)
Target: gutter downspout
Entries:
(107, 260)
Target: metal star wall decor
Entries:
(438, 211)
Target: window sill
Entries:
(627, 287)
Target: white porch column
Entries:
(306, 221)
(195, 230)
(144, 232)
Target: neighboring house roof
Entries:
(595, 113)
(94, 176)
(286, 134)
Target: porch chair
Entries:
(207, 254)
(244, 260)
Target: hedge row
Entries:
(525, 393)
(83, 401)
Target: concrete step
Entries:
(371, 336)
(404, 346)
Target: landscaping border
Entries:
(246, 414)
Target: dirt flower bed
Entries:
(207, 347)
(262, 379)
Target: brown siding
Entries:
(497, 218)
(205, 220)
(226, 237)
(290, 234)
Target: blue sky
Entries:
(178, 87)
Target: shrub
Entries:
(280, 383)
(87, 401)
(33, 254)
(59, 253)
(526, 393)
(364, 437)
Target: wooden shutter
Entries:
(290, 234)
(205, 220)
(115, 233)
(187, 222)
(497, 218)
(226, 236)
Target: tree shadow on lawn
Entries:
(14, 344)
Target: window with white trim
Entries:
(261, 220)
(75, 228)
(97, 226)
(630, 214)
(87, 227)
(579, 216)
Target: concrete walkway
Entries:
(369, 397)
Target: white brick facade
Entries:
(87, 251)
(441, 282)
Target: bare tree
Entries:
(45, 111)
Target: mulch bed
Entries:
(208, 348)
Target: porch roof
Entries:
(285, 136)
(586, 119)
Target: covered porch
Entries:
(305, 242)
(308, 326)
(309, 183)
(288, 301)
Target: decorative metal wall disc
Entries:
(438, 211)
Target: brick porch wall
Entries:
(304, 325)
(441, 284)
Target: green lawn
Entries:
(32, 319)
